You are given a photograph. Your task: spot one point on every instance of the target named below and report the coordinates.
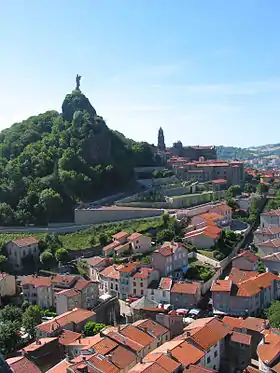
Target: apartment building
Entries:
(246, 261)
(247, 297)
(269, 247)
(185, 294)
(141, 279)
(159, 291)
(109, 280)
(125, 242)
(21, 248)
(269, 218)
(171, 256)
(96, 265)
(263, 234)
(73, 320)
(7, 285)
(126, 271)
(268, 351)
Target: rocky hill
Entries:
(52, 161)
(231, 152)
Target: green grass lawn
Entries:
(209, 254)
(81, 239)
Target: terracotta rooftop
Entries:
(247, 255)
(187, 354)
(241, 338)
(111, 246)
(254, 323)
(275, 257)
(151, 327)
(165, 283)
(67, 336)
(76, 316)
(128, 267)
(210, 230)
(37, 345)
(254, 285)
(21, 364)
(36, 281)
(96, 363)
(120, 235)
(208, 335)
(275, 243)
(96, 261)
(163, 360)
(87, 342)
(269, 350)
(125, 341)
(122, 358)
(219, 181)
(134, 236)
(234, 322)
(147, 367)
(221, 285)
(211, 216)
(111, 272)
(143, 272)
(168, 248)
(270, 230)
(60, 367)
(238, 275)
(185, 287)
(25, 241)
(221, 207)
(272, 213)
(137, 335)
(122, 247)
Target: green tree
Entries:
(92, 328)
(9, 336)
(31, 318)
(47, 258)
(62, 255)
(232, 203)
(262, 188)
(233, 191)
(273, 314)
(10, 313)
(103, 239)
(165, 219)
(52, 202)
(165, 235)
(249, 188)
(3, 261)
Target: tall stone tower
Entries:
(161, 143)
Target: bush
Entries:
(93, 328)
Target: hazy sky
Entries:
(207, 71)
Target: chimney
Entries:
(145, 329)
(168, 353)
(141, 360)
(109, 358)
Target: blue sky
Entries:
(208, 72)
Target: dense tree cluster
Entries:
(52, 161)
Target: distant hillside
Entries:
(231, 152)
(50, 162)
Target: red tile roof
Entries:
(148, 367)
(254, 323)
(269, 350)
(238, 275)
(219, 181)
(187, 354)
(25, 241)
(221, 285)
(76, 316)
(67, 336)
(122, 358)
(272, 213)
(96, 261)
(163, 360)
(247, 255)
(241, 338)
(185, 287)
(165, 283)
(211, 216)
(134, 236)
(168, 248)
(275, 257)
(275, 243)
(270, 230)
(111, 272)
(120, 235)
(21, 364)
(234, 322)
(210, 230)
(208, 335)
(111, 246)
(128, 267)
(125, 341)
(36, 281)
(60, 367)
(96, 363)
(81, 284)
(37, 345)
(151, 327)
(137, 335)
(143, 272)
(254, 285)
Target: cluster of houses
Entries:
(151, 345)
(267, 239)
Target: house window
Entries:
(208, 360)
(215, 353)
(142, 292)
(134, 291)
(164, 294)
(141, 284)
(134, 283)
